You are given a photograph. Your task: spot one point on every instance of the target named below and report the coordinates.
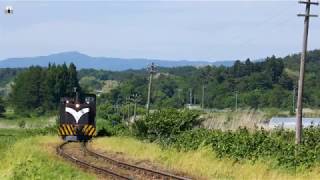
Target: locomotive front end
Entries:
(77, 118)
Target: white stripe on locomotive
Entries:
(77, 114)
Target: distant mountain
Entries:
(107, 63)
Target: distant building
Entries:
(99, 92)
(290, 122)
(193, 106)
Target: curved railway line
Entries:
(111, 167)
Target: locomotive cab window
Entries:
(89, 100)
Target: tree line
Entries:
(258, 84)
(38, 90)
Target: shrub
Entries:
(107, 112)
(277, 146)
(166, 123)
(111, 128)
(22, 123)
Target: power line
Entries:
(262, 24)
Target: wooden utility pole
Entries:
(190, 96)
(179, 94)
(135, 100)
(306, 16)
(236, 101)
(202, 99)
(294, 99)
(128, 103)
(152, 70)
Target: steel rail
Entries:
(139, 169)
(85, 164)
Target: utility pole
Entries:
(152, 70)
(202, 99)
(190, 96)
(128, 101)
(293, 99)
(135, 110)
(306, 16)
(135, 99)
(117, 105)
(236, 101)
(179, 94)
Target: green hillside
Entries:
(262, 84)
(267, 83)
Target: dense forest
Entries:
(38, 90)
(262, 84)
(257, 84)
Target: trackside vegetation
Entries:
(30, 154)
(202, 164)
(176, 135)
(181, 130)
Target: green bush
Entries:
(107, 112)
(166, 123)
(111, 128)
(277, 146)
(22, 123)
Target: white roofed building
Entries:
(290, 122)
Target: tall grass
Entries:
(231, 120)
(13, 121)
(35, 158)
(200, 164)
(249, 118)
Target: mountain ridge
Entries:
(83, 61)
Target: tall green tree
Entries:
(40, 89)
(26, 91)
(72, 80)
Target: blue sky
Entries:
(174, 30)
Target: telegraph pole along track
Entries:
(109, 167)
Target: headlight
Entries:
(77, 105)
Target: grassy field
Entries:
(24, 155)
(10, 120)
(33, 157)
(199, 164)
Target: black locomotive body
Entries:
(77, 118)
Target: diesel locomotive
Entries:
(77, 117)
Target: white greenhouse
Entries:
(290, 122)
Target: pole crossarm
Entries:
(309, 2)
(306, 15)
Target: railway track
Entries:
(82, 163)
(114, 168)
